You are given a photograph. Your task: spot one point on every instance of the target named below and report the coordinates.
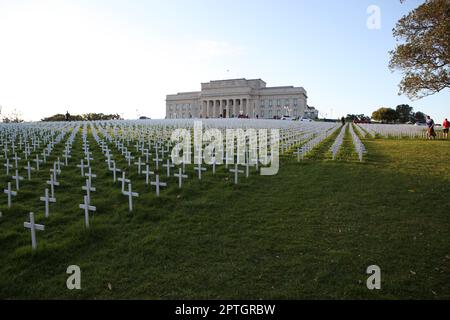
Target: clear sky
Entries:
(125, 56)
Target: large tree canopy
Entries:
(424, 52)
(385, 115)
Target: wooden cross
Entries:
(10, 193)
(29, 168)
(17, 178)
(123, 180)
(33, 227)
(147, 174)
(81, 166)
(180, 176)
(158, 184)
(16, 159)
(37, 162)
(47, 200)
(139, 164)
(114, 170)
(88, 189)
(236, 172)
(7, 165)
(199, 169)
(130, 195)
(168, 165)
(52, 184)
(87, 208)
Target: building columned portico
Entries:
(237, 98)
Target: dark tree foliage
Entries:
(84, 117)
(423, 54)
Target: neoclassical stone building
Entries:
(239, 97)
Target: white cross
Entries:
(147, 154)
(168, 165)
(157, 160)
(33, 227)
(147, 174)
(47, 199)
(199, 169)
(129, 158)
(299, 153)
(66, 157)
(29, 168)
(17, 178)
(90, 175)
(88, 158)
(37, 162)
(157, 184)
(16, 158)
(114, 170)
(236, 171)
(7, 165)
(139, 164)
(130, 195)
(180, 176)
(52, 184)
(55, 170)
(81, 166)
(87, 208)
(123, 180)
(88, 189)
(10, 193)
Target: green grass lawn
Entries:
(308, 232)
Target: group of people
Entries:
(431, 134)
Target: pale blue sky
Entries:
(125, 56)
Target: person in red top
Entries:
(446, 126)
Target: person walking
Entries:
(430, 128)
(446, 126)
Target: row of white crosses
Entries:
(394, 130)
(311, 144)
(338, 142)
(27, 152)
(86, 172)
(359, 146)
(140, 146)
(112, 167)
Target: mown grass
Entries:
(308, 232)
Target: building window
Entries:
(270, 102)
(295, 102)
(262, 113)
(278, 102)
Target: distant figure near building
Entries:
(446, 126)
(67, 116)
(430, 128)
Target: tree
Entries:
(84, 117)
(419, 116)
(424, 54)
(405, 113)
(14, 117)
(385, 115)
